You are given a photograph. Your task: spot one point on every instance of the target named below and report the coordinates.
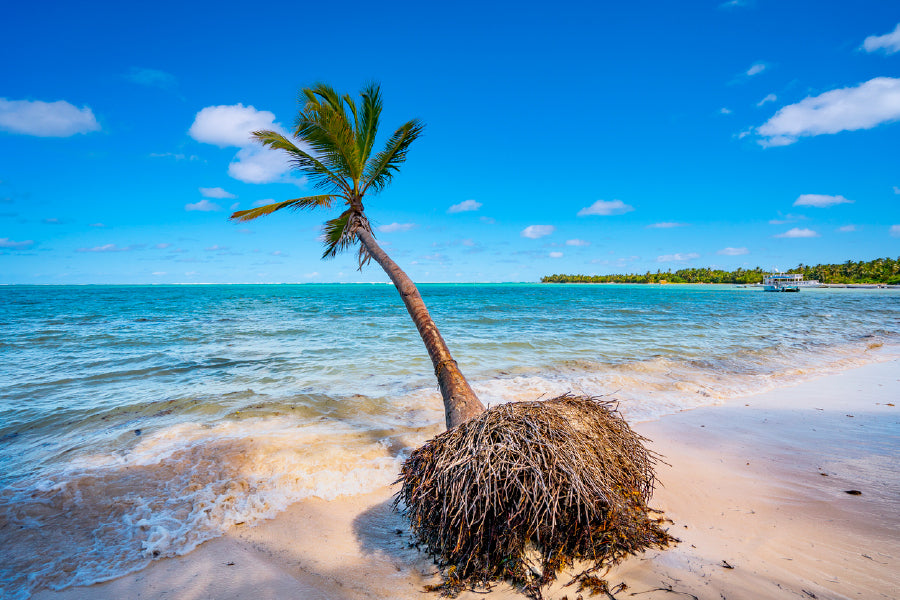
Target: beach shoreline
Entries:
(758, 484)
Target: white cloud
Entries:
(256, 164)
(488, 220)
(391, 228)
(666, 225)
(733, 251)
(577, 242)
(796, 232)
(869, 104)
(734, 4)
(769, 98)
(46, 119)
(847, 228)
(820, 200)
(756, 69)
(216, 192)
(724, 111)
(895, 230)
(96, 225)
(162, 246)
(14, 245)
(889, 42)
(896, 190)
(556, 255)
(176, 156)
(106, 248)
(152, 78)
(203, 206)
(263, 202)
(230, 125)
(677, 257)
(158, 273)
(464, 206)
(603, 207)
(537, 231)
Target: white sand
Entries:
(758, 484)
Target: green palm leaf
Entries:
(383, 165)
(323, 201)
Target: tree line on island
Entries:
(879, 270)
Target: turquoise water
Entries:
(138, 421)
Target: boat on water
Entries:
(785, 282)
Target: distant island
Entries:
(879, 270)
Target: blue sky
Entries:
(560, 138)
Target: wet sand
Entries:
(756, 489)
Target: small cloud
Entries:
(46, 119)
(796, 232)
(234, 206)
(724, 111)
(896, 190)
(393, 227)
(731, 4)
(895, 230)
(158, 273)
(176, 156)
(678, 257)
(216, 192)
(203, 206)
(864, 106)
(577, 242)
(666, 225)
(152, 78)
(820, 200)
(487, 220)
(230, 125)
(733, 251)
(106, 248)
(537, 231)
(464, 206)
(162, 246)
(769, 98)
(14, 245)
(889, 42)
(216, 248)
(278, 253)
(756, 69)
(52, 221)
(311, 275)
(96, 225)
(846, 228)
(256, 164)
(788, 218)
(556, 255)
(263, 202)
(605, 208)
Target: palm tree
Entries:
(336, 138)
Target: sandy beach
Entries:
(756, 489)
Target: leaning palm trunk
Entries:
(460, 402)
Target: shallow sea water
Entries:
(139, 421)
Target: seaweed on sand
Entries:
(525, 489)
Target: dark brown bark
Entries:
(460, 402)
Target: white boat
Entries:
(782, 282)
(786, 282)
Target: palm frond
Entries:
(324, 125)
(383, 165)
(321, 174)
(367, 125)
(323, 201)
(336, 235)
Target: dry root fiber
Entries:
(526, 488)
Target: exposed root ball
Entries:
(561, 479)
